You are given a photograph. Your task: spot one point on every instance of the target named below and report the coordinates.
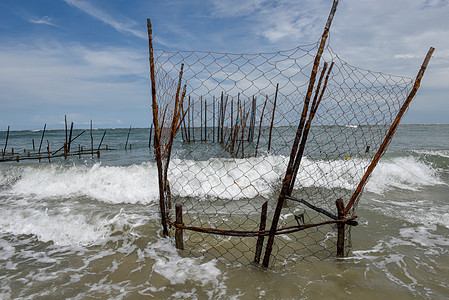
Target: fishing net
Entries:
(236, 128)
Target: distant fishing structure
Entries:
(68, 148)
(234, 114)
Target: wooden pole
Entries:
(66, 137)
(288, 173)
(391, 132)
(42, 138)
(70, 137)
(205, 120)
(6, 143)
(341, 228)
(101, 141)
(157, 145)
(127, 138)
(272, 117)
(149, 139)
(91, 139)
(213, 119)
(32, 140)
(48, 150)
(260, 124)
(178, 233)
(315, 103)
(259, 243)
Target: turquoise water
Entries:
(88, 227)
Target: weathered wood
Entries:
(157, 145)
(42, 139)
(91, 139)
(101, 141)
(391, 132)
(272, 117)
(259, 243)
(6, 143)
(341, 228)
(260, 125)
(288, 173)
(179, 231)
(70, 137)
(127, 138)
(315, 103)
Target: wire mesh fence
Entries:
(236, 129)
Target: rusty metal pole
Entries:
(390, 133)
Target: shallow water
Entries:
(90, 228)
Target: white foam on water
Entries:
(406, 173)
(216, 177)
(179, 270)
(441, 153)
(62, 229)
(124, 184)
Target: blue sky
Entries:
(89, 58)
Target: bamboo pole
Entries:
(288, 173)
(157, 145)
(391, 132)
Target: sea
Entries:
(88, 227)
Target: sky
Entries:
(88, 59)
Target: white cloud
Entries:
(125, 25)
(44, 20)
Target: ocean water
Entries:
(89, 227)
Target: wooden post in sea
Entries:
(340, 228)
(40, 145)
(260, 125)
(70, 137)
(149, 139)
(391, 132)
(48, 150)
(259, 243)
(157, 142)
(272, 117)
(178, 233)
(32, 140)
(289, 172)
(6, 143)
(91, 139)
(127, 138)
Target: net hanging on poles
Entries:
(231, 133)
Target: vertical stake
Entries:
(272, 116)
(178, 234)
(259, 244)
(341, 228)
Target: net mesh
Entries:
(237, 125)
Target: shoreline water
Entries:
(90, 228)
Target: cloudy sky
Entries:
(88, 59)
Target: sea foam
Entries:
(216, 177)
